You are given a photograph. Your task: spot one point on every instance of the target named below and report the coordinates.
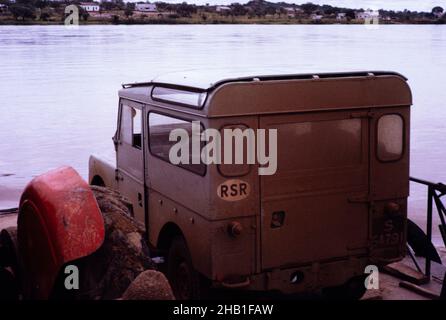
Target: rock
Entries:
(149, 285)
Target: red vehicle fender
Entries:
(59, 221)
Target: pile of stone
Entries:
(121, 267)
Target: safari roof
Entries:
(211, 94)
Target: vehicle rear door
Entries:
(389, 169)
(315, 207)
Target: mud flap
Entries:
(420, 244)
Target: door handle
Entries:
(139, 199)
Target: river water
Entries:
(59, 85)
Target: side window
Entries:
(178, 96)
(131, 126)
(137, 132)
(160, 127)
(390, 137)
(235, 170)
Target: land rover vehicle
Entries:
(337, 202)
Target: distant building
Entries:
(146, 7)
(290, 12)
(368, 14)
(90, 6)
(222, 9)
(316, 17)
(438, 14)
(341, 16)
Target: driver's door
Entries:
(130, 164)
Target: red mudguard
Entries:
(59, 221)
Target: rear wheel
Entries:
(185, 281)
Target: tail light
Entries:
(392, 209)
(235, 229)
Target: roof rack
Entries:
(210, 85)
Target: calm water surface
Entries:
(59, 86)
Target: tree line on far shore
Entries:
(43, 10)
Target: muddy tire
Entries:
(353, 289)
(9, 265)
(8, 248)
(107, 273)
(183, 278)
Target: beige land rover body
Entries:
(336, 203)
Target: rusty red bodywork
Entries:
(59, 221)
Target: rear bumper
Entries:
(309, 278)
